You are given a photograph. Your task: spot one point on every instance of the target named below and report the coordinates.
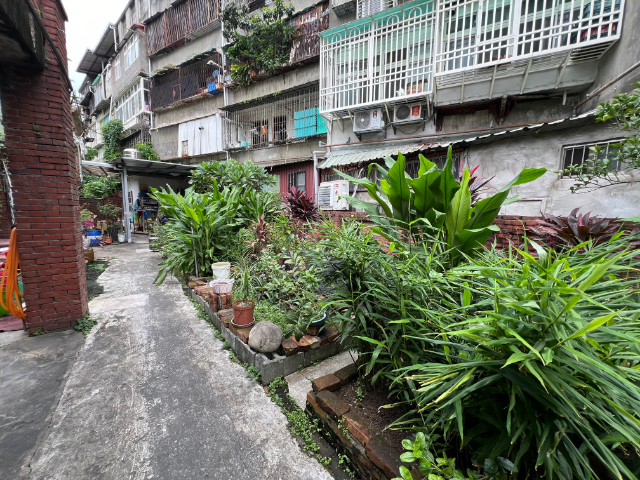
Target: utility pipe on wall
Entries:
(125, 204)
(315, 173)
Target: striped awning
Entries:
(350, 156)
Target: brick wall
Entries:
(92, 204)
(512, 230)
(44, 168)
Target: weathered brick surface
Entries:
(312, 401)
(331, 404)
(360, 428)
(45, 176)
(348, 373)
(383, 456)
(290, 346)
(308, 342)
(326, 382)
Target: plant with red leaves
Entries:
(260, 231)
(301, 206)
(476, 185)
(575, 229)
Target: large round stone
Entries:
(265, 337)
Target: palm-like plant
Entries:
(575, 228)
(549, 376)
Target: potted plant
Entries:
(112, 214)
(243, 290)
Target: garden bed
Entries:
(270, 365)
(356, 427)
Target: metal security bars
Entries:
(476, 33)
(184, 82)
(578, 155)
(309, 24)
(282, 119)
(384, 58)
(181, 23)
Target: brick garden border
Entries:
(270, 365)
(354, 436)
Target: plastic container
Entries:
(222, 286)
(221, 270)
(94, 237)
(121, 237)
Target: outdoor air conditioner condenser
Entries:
(329, 195)
(368, 121)
(407, 112)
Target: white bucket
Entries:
(221, 270)
(121, 238)
(221, 286)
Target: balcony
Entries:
(386, 58)
(101, 95)
(493, 48)
(184, 82)
(462, 51)
(290, 117)
(181, 24)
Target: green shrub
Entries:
(112, 136)
(99, 187)
(147, 151)
(547, 376)
(219, 175)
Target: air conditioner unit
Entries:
(368, 121)
(407, 112)
(329, 195)
(132, 153)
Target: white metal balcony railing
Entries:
(382, 58)
(476, 33)
(137, 121)
(401, 52)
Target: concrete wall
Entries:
(140, 64)
(551, 194)
(283, 153)
(180, 55)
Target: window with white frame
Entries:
(577, 155)
(116, 67)
(131, 51)
(131, 103)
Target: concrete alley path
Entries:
(154, 396)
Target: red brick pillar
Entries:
(44, 171)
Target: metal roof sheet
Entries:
(353, 155)
(147, 168)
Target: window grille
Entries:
(439, 158)
(116, 67)
(132, 104)
(484, 32)
(184, 82)
(577, 155)
(131, 51)
(386, 58)
(307, 43)
(181, 23)
(285, 118)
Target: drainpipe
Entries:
(115, 37)
(315, 172)
(125, 203)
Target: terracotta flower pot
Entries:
(89, 256)
(107, 240)
(243, 315)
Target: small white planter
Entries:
(222, 286)
(121, 238)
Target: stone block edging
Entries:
(270, 365)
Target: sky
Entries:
(87, 21)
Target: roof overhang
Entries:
(106, 44)
(135, 167)
(376, 151)
(90, 64)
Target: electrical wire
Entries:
(9, 289)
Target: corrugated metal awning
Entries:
(354, 155)
(349, 156)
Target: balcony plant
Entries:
(261, 42)
(147, 151)
(112, 137)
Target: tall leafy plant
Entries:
(433, 202)
(94, 186)
(112, 136)
(547, 378)
(218, 175)
(198, 228)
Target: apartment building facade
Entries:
(502, 81)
